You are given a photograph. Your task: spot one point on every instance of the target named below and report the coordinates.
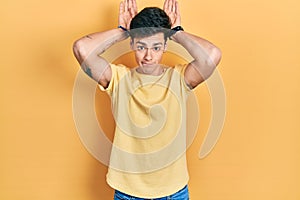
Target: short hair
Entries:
(149, 21)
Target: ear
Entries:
(165, 47)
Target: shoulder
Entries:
(118, 67)
(180, 68)
(114, 74)
(118, 70)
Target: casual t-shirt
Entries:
(148, 155)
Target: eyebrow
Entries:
(155, 44)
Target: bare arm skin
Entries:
(88, 48)
(206, 55)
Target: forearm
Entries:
(88, 48)
(97, 43)
(206, 55)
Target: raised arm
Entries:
(88, 48)
(206, 55)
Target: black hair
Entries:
(149, 21)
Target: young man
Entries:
(149, 101)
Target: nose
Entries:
(148, 54)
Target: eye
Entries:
(156, 48)
(140, 48)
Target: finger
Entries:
(168, 6)
(134, 6)
(178, 17)
(121, 8)
(173, 8)
(126, 5)
(165, 5)
(177, 8)
(129, 4)
(132, 12)
(130, 7)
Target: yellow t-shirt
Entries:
(148, 155)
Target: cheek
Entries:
(138, 57)
(159, 57)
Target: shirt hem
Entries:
(139, 195)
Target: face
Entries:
(149, 51)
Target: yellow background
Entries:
(257, 156)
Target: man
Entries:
(149, 101)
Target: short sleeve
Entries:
(181, 69)
(118, 71)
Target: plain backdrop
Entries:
(257, 156)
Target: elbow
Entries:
(212, 62)
(215, 57)
(79, 51)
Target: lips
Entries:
(148, 64)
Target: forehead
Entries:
(155, 39)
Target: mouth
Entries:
(147, 64)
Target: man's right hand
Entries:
(127, 11)
(171, 7)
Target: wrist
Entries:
(174, 30)
(177, 28)
(124, 30)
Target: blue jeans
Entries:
(182, 194)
